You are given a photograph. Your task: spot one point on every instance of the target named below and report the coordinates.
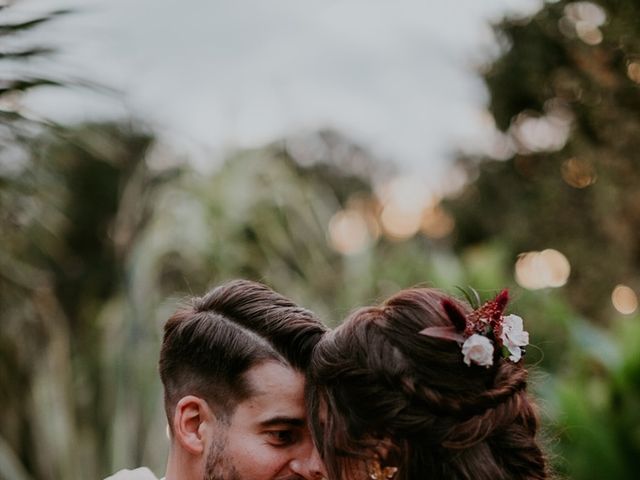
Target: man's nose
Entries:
(316, 465)
(310, 465)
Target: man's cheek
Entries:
(258, 460)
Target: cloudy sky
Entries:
(396, 76)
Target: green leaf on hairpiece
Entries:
(471, 295)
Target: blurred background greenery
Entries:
(104, 230)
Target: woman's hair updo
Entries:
(376, 379)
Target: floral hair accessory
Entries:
(480, 331)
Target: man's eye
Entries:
(281, 437)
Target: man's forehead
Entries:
(277, 390)
(270, 377)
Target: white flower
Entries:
(513, 336)
(478, 349)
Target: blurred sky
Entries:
(396, 76)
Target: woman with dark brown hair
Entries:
(424, 387)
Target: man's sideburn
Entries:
(218, 466)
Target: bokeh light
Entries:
(633, 71)
(436, 222)
(588, 34)
(403, 201)
(398, 223)
(532, 132)
(536, 270)
(578, 173)
(348, 232)
(582, 20)
(624, 299)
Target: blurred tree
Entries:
(15, 276)
(566, 94)
(266, 214)
(69, 218)
(98, 238)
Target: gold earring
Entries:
(376, 472)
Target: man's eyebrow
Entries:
(290, 421)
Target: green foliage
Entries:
(471, 295)
(596, 398)
(99, 246)
(69, 219)
(264, 216)
(580, 198)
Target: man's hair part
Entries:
(209, 346)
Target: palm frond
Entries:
(12, 28)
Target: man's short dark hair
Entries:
(210, 345)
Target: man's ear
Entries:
(192, 424)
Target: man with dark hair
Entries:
(232, 365)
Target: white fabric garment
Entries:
(142, 473)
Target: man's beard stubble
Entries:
(219, 467)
